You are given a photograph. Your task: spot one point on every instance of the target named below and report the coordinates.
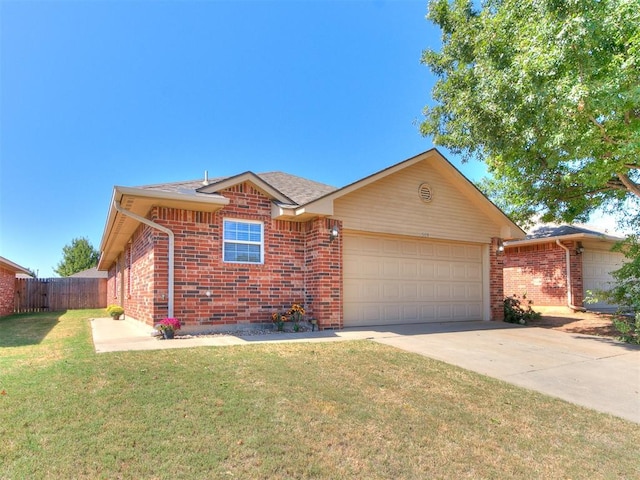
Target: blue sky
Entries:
(97, 94)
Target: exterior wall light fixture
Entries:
(333, 234)
(579, 248)
(500, 247)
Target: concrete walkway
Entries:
(594, 372)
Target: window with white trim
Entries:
(243, 241)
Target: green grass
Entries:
(332, 410)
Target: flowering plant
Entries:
(295, 314)
(169, 324)
(279, 319)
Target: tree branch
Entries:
(615, 185)
(630, 185)
(603, 131)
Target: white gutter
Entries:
(569, 290)
(571, 236)
(163, 229)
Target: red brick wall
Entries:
(130, 282)
(324, 273)
(7, 291)
(496, 283)
(540, 272)
(300, 265)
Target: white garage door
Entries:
(597, 266)
(390, 280)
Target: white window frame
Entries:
(226, 241)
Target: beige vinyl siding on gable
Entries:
(392, 205)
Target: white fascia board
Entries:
(203, 198)
(573, 236)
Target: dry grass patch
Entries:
(279, 411)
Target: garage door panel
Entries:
(474, 292)
(443, 271)
(428, 313)
(426, 250)
(371, 315)
(460, 311)
(427, 291)
(409, 269)
(597, 266)
(459, 271)
(391, 247)
(460, 291)
(444, 312)
(426, 270)
(409, 249)
(390, 280)
(391, 292)
(459, 252)
(410, 291)
(475, 310)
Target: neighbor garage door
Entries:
(597, 266)
(391, 280)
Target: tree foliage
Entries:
(625, 291)
(76, 257)
(547, 92)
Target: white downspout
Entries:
(569, 289)
(163, 229)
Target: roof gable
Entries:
(433, 158)
(263, 186)
(395, 201)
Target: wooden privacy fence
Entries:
(55, 294)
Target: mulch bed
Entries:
(587, 323)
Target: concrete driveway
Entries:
(594, 372)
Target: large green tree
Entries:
(547, 93)
(76, 257)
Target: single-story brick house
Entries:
(8, 271)
(415, 242)
(538, 264)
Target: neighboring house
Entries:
(90, 273)
(416, 242)
(8, 272)
(538, 265)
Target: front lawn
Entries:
(331, 410)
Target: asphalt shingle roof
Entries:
(300, 190)
(546, 231)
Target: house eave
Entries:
(12, 266)
(119, 228)
(295, 213)
(571, 237)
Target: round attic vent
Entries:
(426, 195)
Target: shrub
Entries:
(629, 328)
(115, 310)
(625, 291)
(516, 312)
